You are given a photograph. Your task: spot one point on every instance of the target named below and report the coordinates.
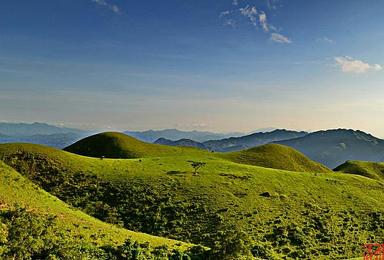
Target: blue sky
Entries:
(203, 64)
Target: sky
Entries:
(193, 64)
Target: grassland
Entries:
(279, 213)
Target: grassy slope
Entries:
(118, 145)
(337, 206)
(368, 169)
(15, 189)
(277, 157)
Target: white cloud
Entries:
(350, 65)
(263, 21)
(250, 12)
(235, 2)
(277, 37)
(114, 8)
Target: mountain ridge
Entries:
(335, 146)
(36, 128)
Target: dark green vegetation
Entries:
(277, 157)
(25, 234)
(235, 209)
(368, 169)
(334, 147)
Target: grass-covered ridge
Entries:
(277, 157)
(119, 145)
(277, 213)
(371, 170)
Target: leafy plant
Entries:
(196, 166)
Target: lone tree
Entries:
(196, 166)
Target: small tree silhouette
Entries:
(196, 166)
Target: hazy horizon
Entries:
(235, 133)
(221, 66)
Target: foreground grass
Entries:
(282, 213)
(17, 190)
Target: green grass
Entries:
(277, 157)
(286, 213)
(371, 170)
(17, 190)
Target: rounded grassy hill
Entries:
(119, 145)
(278, 157)
(371, 170)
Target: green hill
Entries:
(228, 206)
(371, 170)
(73, 226)
(277, 157)
(119, 145)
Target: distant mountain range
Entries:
(151, 136)
(252, 140)
(329, 147)
(54, 140)
(181, 142)
(25, 129)
(40, 133)
(334, 147)
(237, 143)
